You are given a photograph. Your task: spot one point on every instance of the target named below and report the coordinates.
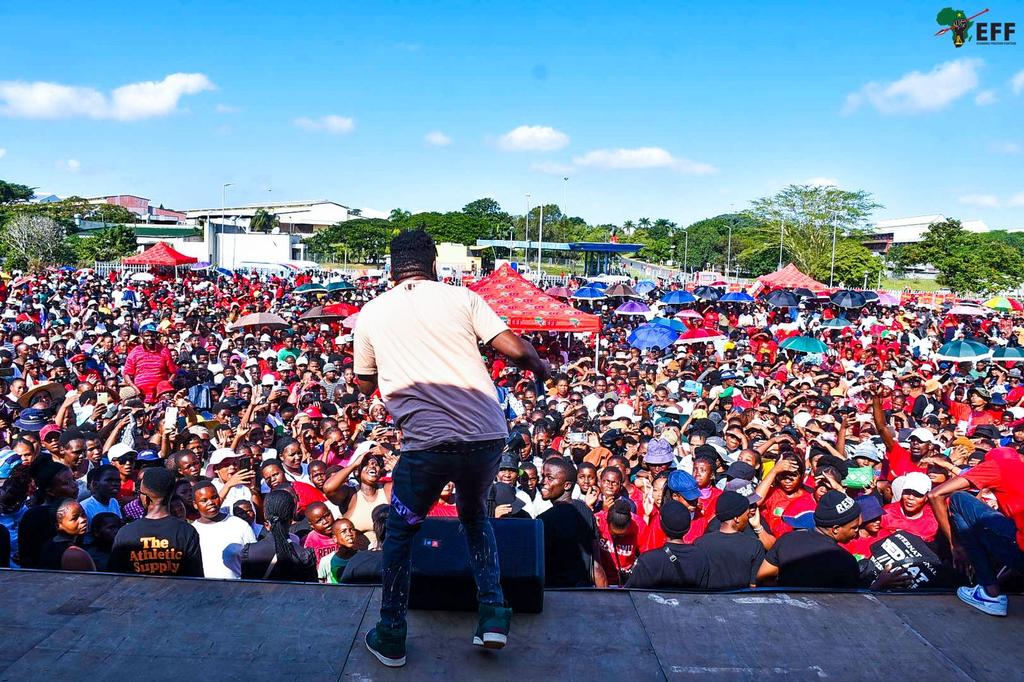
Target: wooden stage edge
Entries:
(68, 626)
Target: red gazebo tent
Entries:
(789, 277)
(160, 253)
(525, 307)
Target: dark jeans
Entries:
(988, 537)
(417, 483)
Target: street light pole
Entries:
(728, 253)
(686, 253)
(565, 192)
(832, 271)
(526, 236)
(214, 250)
(540, 241)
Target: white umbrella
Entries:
(142, 277)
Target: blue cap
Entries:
(870, 508)
(147, 456)
(658, 452)
(683, 484)
(689, 386)
(149, 327)
(31, 419)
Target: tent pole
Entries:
(597, 345)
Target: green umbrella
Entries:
(804, 344)
(967, 350)
(1008, 354)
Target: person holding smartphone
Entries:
(234, 477)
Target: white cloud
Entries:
(225, 109)
(552, 168)
(132, 102)
(1016, 200)
(985, 97)
(533, 139)
(333, 124)
(822, 182)
(1017, 82)
(69, 165)
(986, 200)
(641, 157)
(3, 152)
(917, 92)
(436, 138)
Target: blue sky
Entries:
(660, 109)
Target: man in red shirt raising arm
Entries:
(981, 538)
(418, 344)
(149, 364)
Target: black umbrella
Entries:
(706, 293)
(846, 298)
(783, 299)
(870, 296)
(803, 292)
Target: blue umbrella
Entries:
(678, 297)
(673, 324)
(648, 336)
(645, 286)
(632, 308)
(599, 284)
(589, 294)
(966, 350)
(706, 293)
(846, 298)
(837, 323)
(737, 297)
(782, 299)
(225, 272)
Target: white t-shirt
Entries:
(92, 507)
(232, 495)
(221, 544)
(420, 339)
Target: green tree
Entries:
(644, 223)
(454, 226)
(968, 262)
(263, 221)
(362, 239)
(108, 244)
(11, 193)
(810, 215)
(112, 214)
(397, 215)
(856, 266)
(485, 207)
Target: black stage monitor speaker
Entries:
(443, 581)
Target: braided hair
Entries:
(279, 509)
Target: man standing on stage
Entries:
(418, 343)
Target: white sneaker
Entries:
(979, 599)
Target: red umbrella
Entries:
(333, 311)
(699, 335)
(558, 292)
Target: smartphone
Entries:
(171, 418)
(245, 463)
(576, 437)
(267, 390)
(103, 399)
(370, 426)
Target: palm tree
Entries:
(644, 223)
(627, 227)
(398, 214)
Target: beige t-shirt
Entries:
(420, 339)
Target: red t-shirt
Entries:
(619, 554)
(924, 526)
(307, 494)
(773, 507)
(443, 510)
(1003, 472)
(861, 547)
(652, 536)
(322, 545)
(900, 462)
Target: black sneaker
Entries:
(492, 630)
(387, 644)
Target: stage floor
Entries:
(60, 626)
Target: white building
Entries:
(888, 233)
(296, 217)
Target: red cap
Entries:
(164, 387)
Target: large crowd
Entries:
(211, 424)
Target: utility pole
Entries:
(540, 242)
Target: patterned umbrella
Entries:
(632, 308)
(846, 298)
(1003, 304)
(699, 335)
(678, 297)
(804, 344)
(648, 336)
(965, 350)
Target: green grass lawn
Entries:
(912, 284)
